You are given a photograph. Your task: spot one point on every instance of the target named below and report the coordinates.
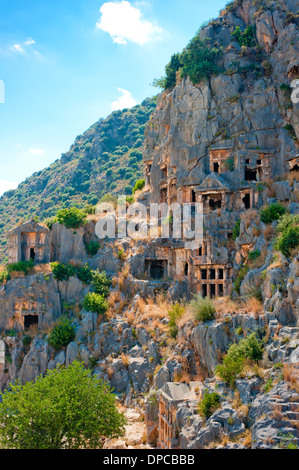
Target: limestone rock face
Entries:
(35, 295)
(67, 244)
(35, 362)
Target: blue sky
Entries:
(65, 64)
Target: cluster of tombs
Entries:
(232, 183)
(203, 267)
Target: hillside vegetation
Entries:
(107, 158)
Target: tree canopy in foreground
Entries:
(68, 408)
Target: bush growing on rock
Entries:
(62, 334)
(272, 212)
(203, 309)
(209, 404)
(95, 303)
(245, 38)
(62, 272)
(199, 60)
(84, 274)
(100, 283)
(67, 409)
(92, 248)
(139, 185)
(248, 349)
(288, 234)
(71, 218)
(175, 313)
(236, 230)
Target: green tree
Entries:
(209, 404)
(95, 303)
(288, 234)
(71, 218)
(62, 334)
(66, 409)
(272, 212)
(199, 60)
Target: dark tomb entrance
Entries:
(30, 320)
(246, 201)
(250, 175)
(32, 253)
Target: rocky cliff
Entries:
(231, 143)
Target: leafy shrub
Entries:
(62, 272)
(169, 81)
(50, 222)
(268, 69)
(4, 276)
(229, 164)
(84, 274)
(230, 368)
(89, 208)
(198, 60)
(246, 38)
(95, 303)
(288, 234)
(271, 213)
(236, 230)
(175, 313)
(93, 247)
(62, 334)
(71, 218)
(21, 266)
(209, 404)
(26, 340)
(251, 348)
(253, 255)
(68, 408)
(100, 283)
(139, 185)
(233, 362)
(203, 309)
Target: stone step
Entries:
(288, 406)
(293, 415)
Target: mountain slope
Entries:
(107, 158)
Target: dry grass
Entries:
(126, 360)
(238, 405)
(268, 232)
(247, 439)
(253, 305)
(33, 331)
(258, 262)
(276, 413)
(225, 305)
(123, 275)
(110, 372)
(293, 176)
(250, 216)
(141, 305)
(277, 263)
(184, 377)
(295, 195)
(291, 376)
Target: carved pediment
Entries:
(213, 182)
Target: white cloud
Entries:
(125, 23)
(6, 185)
(21, 48)
(124, 101)
(36, 152)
